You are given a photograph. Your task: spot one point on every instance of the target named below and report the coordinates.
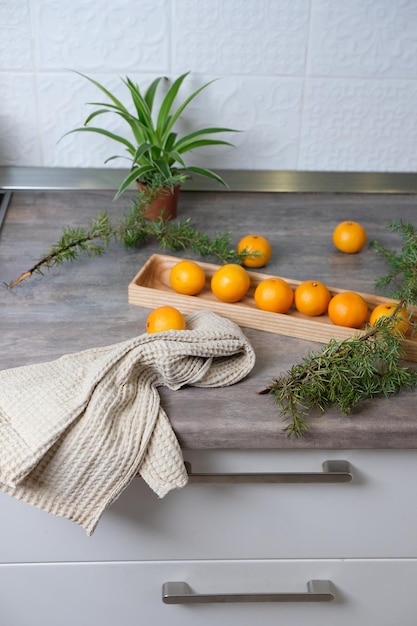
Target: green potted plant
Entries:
(152, 145)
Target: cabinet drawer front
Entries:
(371, 516)
(366, 592)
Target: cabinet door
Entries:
(373, 516)
(366, 592)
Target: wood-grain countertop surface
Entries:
(84, 304)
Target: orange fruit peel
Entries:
(312, 298)
(165, 318)
(274, 294)
(187, 277)
(257, 248)
(348, 308)
(349, 237)
(400, 316)
(230, 282)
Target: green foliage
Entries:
(73, 242)
(152, 145)
(76, 240)
(133, 230)
(402, 264)
(175, 236)
(341, 375)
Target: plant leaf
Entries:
(106, 133)
(175, 156)
(141, 106)
(95, 114)
(181, 108)
(163, 168)
(151, 91)
(135, 173)
(208, 174)
(166, 106)
(142, 149)
(104, 90)
(170, 142)
(198, 143)
(201, 133)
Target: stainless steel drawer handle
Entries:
(179, 592)
(332, 472)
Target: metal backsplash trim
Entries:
(4, 203)
(45, 178)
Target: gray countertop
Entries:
(84, 304)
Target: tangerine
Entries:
(187, 277)
(230, 282)
(258, 249)
(165, 318)
(349, 237)
(312, 298)
(273, 294)
(348, 309)
(402, 320)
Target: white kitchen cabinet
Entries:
(367, 592)
(368, 517)
(226, 538)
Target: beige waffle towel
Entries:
(74, 432)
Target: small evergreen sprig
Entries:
(341, 375)
(402, 265)
(135, 229)
(72, 243)
(175, 236)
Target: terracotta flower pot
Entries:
(164, 206)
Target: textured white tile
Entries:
(15, 41)
(260, 37)
(359, 38)
(63, 100)
(19, 133)
(265, 110)
(91, 35)
(359, 103)
(359, 125)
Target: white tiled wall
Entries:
(313, 84)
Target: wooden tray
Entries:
(151, 288)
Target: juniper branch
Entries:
(133, 230)
(342, 375)
(73, 242)
(181, 235)
(402, 264)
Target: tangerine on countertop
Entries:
(260, 250)
(312, 298)
(402, 320)
(349, 237)
(348, 309)
(230, 282)
(273, 294)
(187, 277)
(165, 318)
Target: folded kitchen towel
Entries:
(75, 431)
